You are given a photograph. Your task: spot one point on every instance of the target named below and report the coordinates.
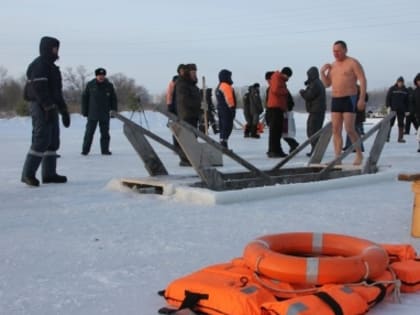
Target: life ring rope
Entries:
(395, 281)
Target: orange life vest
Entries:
(330, 300)
(226, 288)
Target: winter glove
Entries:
(65, 119)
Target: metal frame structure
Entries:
(214, 179)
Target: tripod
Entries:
(139, 109)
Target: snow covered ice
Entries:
(91, 246)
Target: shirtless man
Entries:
(343, 75)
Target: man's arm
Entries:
(325, 74)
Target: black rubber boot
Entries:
(254, 133)
(49, 174)
(401, 135)
(105, 145)
(30, 167)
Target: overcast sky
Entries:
(146, 40)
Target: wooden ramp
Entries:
(210, 176)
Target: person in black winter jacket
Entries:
(98, 100)
(397, 101)
(316, 104)
(188, 101)
(43, 90)
(252, 109)
(416, 104)
(411, 117)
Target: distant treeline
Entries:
(131, 96)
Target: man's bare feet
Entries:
(358, 159)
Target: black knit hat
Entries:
(287, 71)
(191, 67)
(100, 71)
(268, 75)
(400, 79)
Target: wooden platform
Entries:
(187, 188)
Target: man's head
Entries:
(48, 48)
(268, 75)
(225, 76)
(417, 80)
(287, 72)
(180, 69)
(191, 70)
(400, 82)
(340, 50)
(100, 74)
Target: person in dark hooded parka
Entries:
(43, 90)
(226, 105)
(315, 102)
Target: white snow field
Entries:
(91, 246)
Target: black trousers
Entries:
(275, 129)
(410, 119)
(313, 124)
(90, 131)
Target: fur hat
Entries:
(100, 71)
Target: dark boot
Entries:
(246, 131)
(215, 128)
(293, 144)
(29, 170)
(49, 173)
(87, 143)
(401, 135)
(105, 145)
(254, 133)
(224, 143)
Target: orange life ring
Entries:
(315, 258)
